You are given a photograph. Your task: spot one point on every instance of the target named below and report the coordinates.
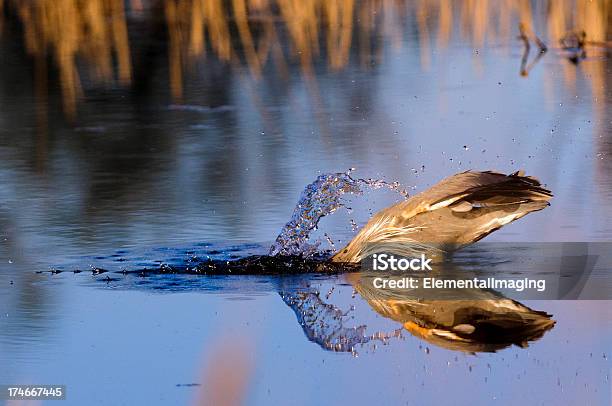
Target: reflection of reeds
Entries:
(70, 29)
(254, 32)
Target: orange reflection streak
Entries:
(423, 36)
(242, 21)
(174, 50)
(339, 31)
(445, 23)
(226, 375)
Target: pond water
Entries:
(173, 132)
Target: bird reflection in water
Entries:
(483, 321)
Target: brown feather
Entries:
(455, 212)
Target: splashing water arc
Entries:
(320, 198)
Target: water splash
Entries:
(320, 198)
(324, 323)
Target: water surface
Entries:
(154, 145)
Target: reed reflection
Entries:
(94, 42)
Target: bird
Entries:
(481, 321)
(452, 214)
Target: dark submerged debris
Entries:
(573, 42)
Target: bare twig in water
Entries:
(523, 36)
(541, 44)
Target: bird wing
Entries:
(457, 211)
